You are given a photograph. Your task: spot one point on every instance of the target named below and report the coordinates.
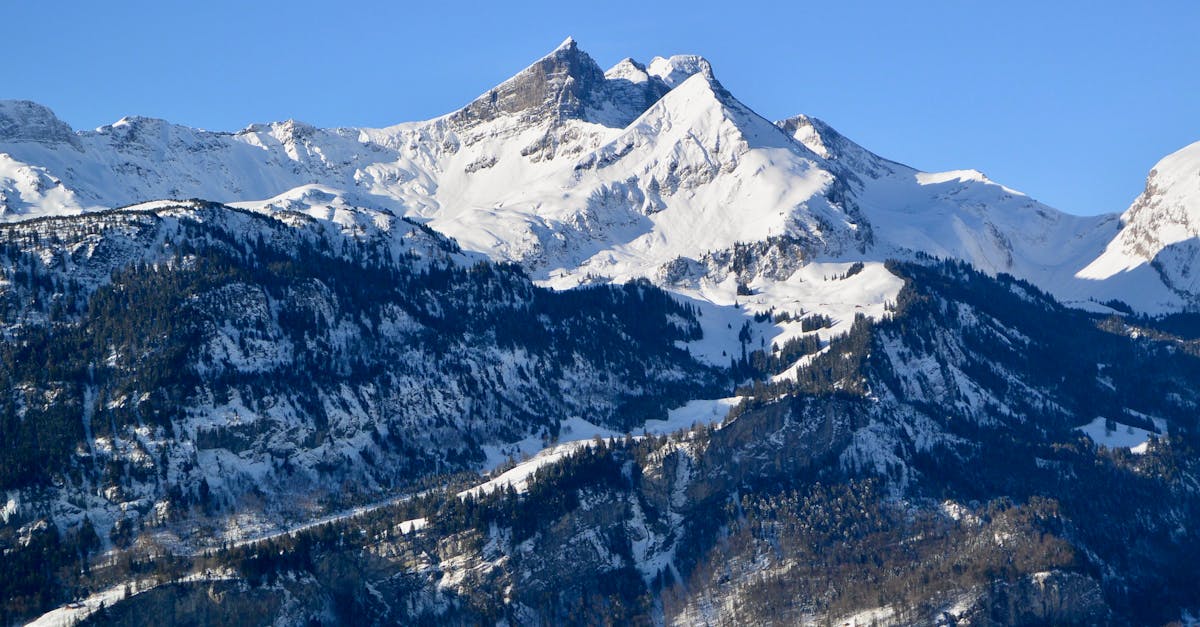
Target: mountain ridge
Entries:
(493, 174)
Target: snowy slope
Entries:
(582, 174)
(963, 214)
(1159, 230)
(139, 159)
(695, 173)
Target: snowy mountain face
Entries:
(1160, 229)
(964, 215)
(566, 85)
(581, 174)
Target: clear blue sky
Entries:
(1069, 101)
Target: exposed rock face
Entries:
(1161, 229)
(1166, 211)
(568, 84)
(678, 68)
(1046, 598)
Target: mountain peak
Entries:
(1162, 226)
(808, 131)
(629, 70)
(676, 69)
(564, 84)
(554, 86)
(567, 44)
(25, 120)
(849, 159)
(136, 122)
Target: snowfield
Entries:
(580, 433)
(1133, 438)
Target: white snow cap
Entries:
(629, 70)
(1167, 213)
(674, 70)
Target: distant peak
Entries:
(676, 69)
(25, 120)
(1169, 206)
(139, 120)
(30, 106)
(567, 51)
(810, 132)
(800, 120)
(136, 127)
(568, 84)
(568, 44)
(629, 70)
(825, 141)
(555, 85)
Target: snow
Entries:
(817, 288)
(676, 69)
(606, 219)
(11, 506)
(241, 536)
(1133, 438)
(573, 199)
(960, 176)
(577, 433)
(73, 613)
(567, 43)
(415, 524)
(579, 200)
(698, 412)
(519, 476)
(629, 70)
(958, 512)
(1164, 217)
(884, 615)
(29, 190)
(962, 214)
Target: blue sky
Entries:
(1071, 102)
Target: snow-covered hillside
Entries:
(277, 355)
(581, 174)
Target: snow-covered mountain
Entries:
(581, 174)
(964, 215)
(273, 405)
(1160, 232)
